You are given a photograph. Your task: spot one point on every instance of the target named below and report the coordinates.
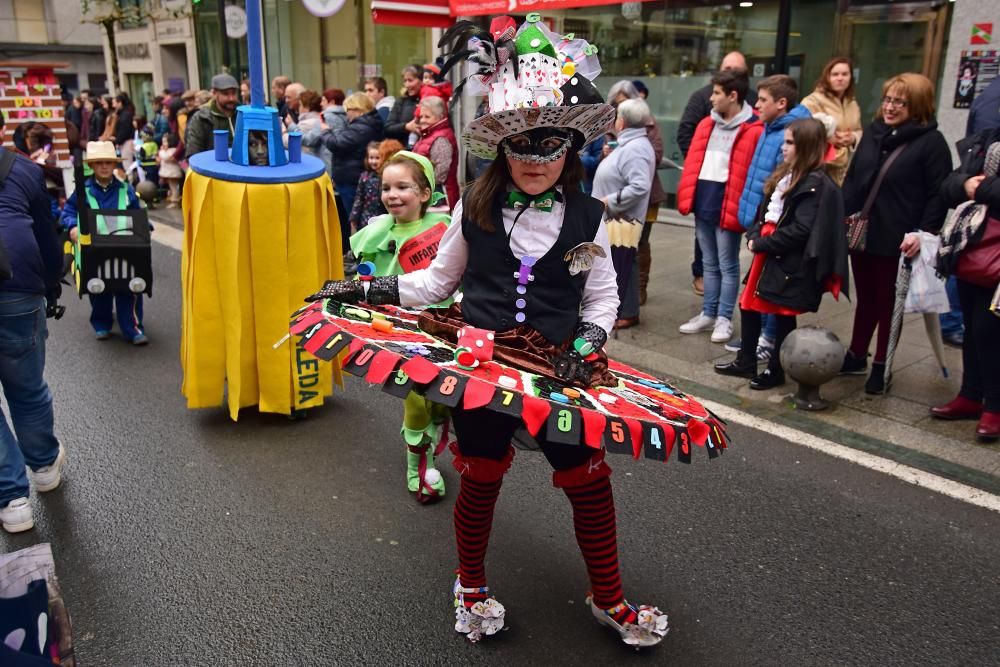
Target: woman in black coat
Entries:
(123, 126)
(909, 200)
(402, 117)
(349, 147)
(799, 246)
(979, 397)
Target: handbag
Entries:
(979, 263)
(857, 223)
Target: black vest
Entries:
(553, 298)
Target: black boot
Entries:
(769, 379)
(853, 366)
(738, 367)
(876, 383)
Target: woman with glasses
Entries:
(907, 200)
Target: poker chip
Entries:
(507, 381)
(570, 392)
(366, 269)
(607, 398)
(559, 398)
(465, 359)
(384, 326)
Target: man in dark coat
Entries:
(28, 234)
(218, 114)
(985, 111)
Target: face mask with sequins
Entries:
(539, 146)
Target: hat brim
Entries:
(102, 159)
(483, 135)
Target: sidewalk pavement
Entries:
(896, 426)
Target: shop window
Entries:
(398, 47)
(135, 10)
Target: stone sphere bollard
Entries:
(146, 191)
(812, 356)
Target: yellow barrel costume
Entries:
(256, 238)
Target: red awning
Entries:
(497, 7)
(413, 13)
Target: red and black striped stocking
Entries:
(477, 497)
(588, 488)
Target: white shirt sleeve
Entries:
(439, 280)
(600, 294)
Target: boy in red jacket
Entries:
(715, 171)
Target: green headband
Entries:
(428, 169)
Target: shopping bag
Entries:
(927, 291)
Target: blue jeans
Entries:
(22, 363)
(721, 261)
(951, 322)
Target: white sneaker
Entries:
(48, 478)
(697, 324)
(16, 516)
(723, 330)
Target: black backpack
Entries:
(6, 162)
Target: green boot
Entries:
(422, 478)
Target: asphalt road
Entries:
(182, 538)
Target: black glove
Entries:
(381, 290)
(571, 365)
(384, 290)
(345, 291)
(52, 308)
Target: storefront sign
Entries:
(236, 22)
(484, 7)
(32, 96)
(323, 8)
(173, 29)
(139, 51)
(982, 33)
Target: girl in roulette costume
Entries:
(532, 257)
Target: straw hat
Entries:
(101, 151)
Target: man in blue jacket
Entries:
(777, 105)
(28, 234)
(105, 192)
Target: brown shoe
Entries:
(698, 285)
(626, 322)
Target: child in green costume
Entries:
(404, 240)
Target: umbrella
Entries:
(898, 308)
(623, 235)
(931, 322)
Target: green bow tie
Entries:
(517, 200)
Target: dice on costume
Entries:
(477, 341)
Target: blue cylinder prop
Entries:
(295, 147)
(221, 139)
(255, 51)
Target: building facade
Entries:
(51, 30)
(674, 46)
